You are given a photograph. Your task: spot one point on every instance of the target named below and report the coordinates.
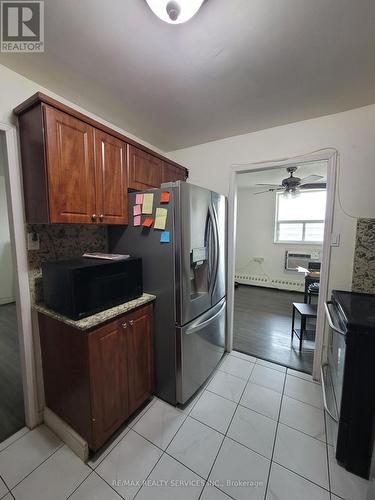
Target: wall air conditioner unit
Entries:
(299, 259)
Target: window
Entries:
(300, 219)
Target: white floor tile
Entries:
(267, 377)
(227, 385)
(214, 411)
(285, 485)
(236, 463)
(188, 407)
(3, 489)
(303, 417)
(274, 366)
(302, 454)
(253, 430)
(25, 454)
(130, 461)
(13, 438)
(343, 483)
(96, 459)
(307, 392)
(212, 493)
(56, 478)
(241, 355)
(177, 482)
(296, 373)
(196, 446)
(139, 415)
(331, 429)
(8, 497)
(94, 488)
(160, 423)
(262, 400)
(237, 366)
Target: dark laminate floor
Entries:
(12, 416)
(262, 326)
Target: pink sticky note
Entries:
(139, 199)
(137, 220)
(137, 210)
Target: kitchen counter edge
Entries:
(98, 318)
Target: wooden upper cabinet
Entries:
(71, 173)
(145, 170)
(108, 381)
(77, 170)
(140, 356)
(111, 184)
(172, 173)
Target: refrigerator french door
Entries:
(187, 275)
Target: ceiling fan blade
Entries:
(270, 190)
(270, 185)
(314, 185)
(311, 178)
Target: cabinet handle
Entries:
(93, 217)
(124, 325)
(131, 322)
(101, 217)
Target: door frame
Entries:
(325, 155)
(14, 192)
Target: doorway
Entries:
(18, 382)
(263, 257)
(12, 413)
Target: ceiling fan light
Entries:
(174, 11)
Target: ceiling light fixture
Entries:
(174, 11)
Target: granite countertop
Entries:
(98, 318)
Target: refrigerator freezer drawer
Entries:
(200, 346)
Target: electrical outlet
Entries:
(33, 242)
(260, 260)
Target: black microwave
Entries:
(80, 287)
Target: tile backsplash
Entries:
(364, 257)
(61, 241)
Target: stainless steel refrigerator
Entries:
(188, 276)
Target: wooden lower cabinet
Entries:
(95, 379)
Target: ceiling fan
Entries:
(291, 185)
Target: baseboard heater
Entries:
(261, 280)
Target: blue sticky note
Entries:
(164, 237)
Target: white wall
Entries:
(14, 89)
(352, 133)
(7, 292)
(255, 238)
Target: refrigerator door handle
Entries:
(215, 249)
(198, 326)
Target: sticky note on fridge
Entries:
(137, 210)
(137, 220)
(148, 222)
(139, 199)
(165, 196)
(164, 237)
(148, 202)
(160, 218)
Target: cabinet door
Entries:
(171, 173)
(111, 179)
(108, 381)
(70, 165)
(140, 356)
(144, 169)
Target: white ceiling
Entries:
(236, 67)
(275, 176)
